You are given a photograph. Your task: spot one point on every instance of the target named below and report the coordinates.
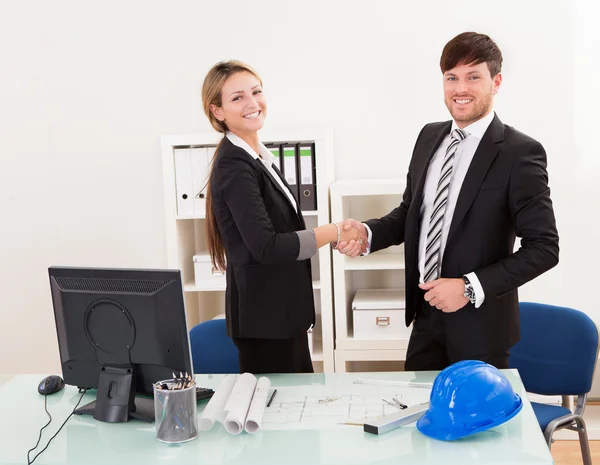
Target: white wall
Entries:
(87, 91)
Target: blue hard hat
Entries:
(468, 397)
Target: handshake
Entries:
(353, 238)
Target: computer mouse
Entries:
(50, 385)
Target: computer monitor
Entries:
(120, 331)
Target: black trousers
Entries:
(430, 347)
(274, 355)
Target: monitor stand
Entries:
(115, 400)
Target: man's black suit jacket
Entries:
(504, 194)
(269, 293)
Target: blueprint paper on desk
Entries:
(238, 403)
(257, 406)
(319, 406)
(215, 409)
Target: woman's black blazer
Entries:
(269, 293)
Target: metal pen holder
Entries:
(175, 410)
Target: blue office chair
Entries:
(213, 351)
(557, 355)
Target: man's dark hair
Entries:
(471, 48)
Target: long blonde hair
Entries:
(211, 95)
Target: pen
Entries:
(271, 399)
(399, 404)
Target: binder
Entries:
(183, 181)
(210, 154)
(308, 177)
(200, 165)
(276, 151)
(290, 168)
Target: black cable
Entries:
(55, 434)
(43, 427)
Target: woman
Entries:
(253, 219)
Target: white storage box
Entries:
(379, 314)
(204, 273)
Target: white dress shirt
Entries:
(267, 159)
(464, 156)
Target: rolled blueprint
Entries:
(215, 409)
(257, 406)
(236, 408)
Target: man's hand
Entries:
(353, 248)
(445, 294)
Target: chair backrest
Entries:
(558, 350)
(213, 351)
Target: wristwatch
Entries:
(469, 291)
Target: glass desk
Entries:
(85, 441)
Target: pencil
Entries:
(353, 423)
(271, 399)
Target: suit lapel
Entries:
(482, 160)
(431, 146)
(279, 188)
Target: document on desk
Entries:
(238, 403)
(322, 406)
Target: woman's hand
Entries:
(353, 236)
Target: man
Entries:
(473, 184)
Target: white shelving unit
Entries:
(364, 199)
(186, 237)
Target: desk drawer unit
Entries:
(379, 314)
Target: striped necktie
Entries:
(436, 221)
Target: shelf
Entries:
(317, 355)
(194, 217)
(342, 357)
(202, 217)
(317, 347)
(191, 286)
(372, 344)
(376, 261)
(365, 198)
